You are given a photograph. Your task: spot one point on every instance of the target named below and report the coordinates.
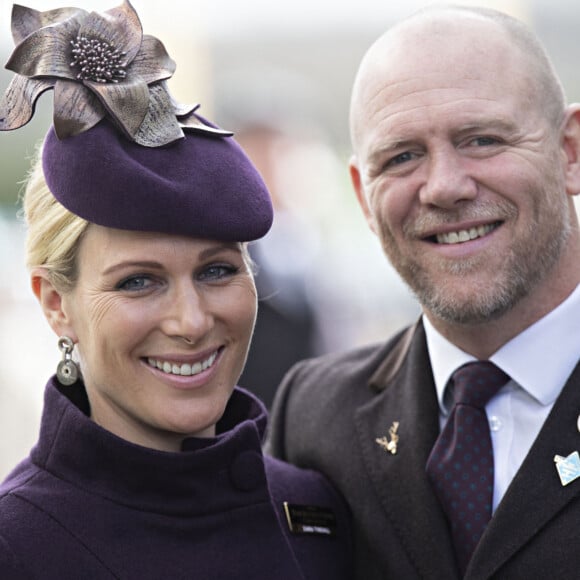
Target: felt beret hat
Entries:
(200, 186)
(122, 152)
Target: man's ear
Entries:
(356, 179)
(571, 148)
(51, 302)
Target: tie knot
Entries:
(476, 383)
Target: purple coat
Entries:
(87, 504)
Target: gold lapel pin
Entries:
(387, 444)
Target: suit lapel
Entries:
(407, 396)
(536, 494)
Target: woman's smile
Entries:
(183, 368)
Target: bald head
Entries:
(461, 39)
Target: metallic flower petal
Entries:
(46, 52)
(194, 124)
(19, 100)
(76, 109)
(25, 20)
(119, 27)
(127, 102)
(160, 126)
(183, 110)
(187, 120)
(152, 62)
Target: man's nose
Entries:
(447, 180)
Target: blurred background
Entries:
(278, 75)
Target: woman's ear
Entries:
(51, 302)
(571, 148)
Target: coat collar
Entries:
(76, 449)
(406, 395)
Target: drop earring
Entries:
(67, 371)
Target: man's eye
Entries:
(400, 159)
(484, 141)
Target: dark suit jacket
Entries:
(329, 413)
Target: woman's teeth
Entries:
(465, 235)
(183, 369)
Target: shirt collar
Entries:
(445, 359)
(540, 359)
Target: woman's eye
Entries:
(217, 272)
(134, 283)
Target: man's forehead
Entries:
(445, 31)
(439, 49)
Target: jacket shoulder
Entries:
(343, 370)
(316, 395)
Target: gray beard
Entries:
(523, 270)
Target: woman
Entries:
(149, 461)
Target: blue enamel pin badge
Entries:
(568, 467)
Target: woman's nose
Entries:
(187, 315)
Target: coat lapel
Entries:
(406, 395)
(536, 494)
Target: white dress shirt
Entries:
(539, 361)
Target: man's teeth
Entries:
(183, 369)
(465, 235)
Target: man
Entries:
(465, 162)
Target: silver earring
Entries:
(67, 371)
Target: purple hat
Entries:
(201, 186)
(122, 153)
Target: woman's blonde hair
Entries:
(53, 232)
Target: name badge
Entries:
(307, 519)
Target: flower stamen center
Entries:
(97, 60)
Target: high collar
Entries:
(203, 478)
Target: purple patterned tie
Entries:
(460, 466)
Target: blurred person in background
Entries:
(287, 326)
(457, 442)
(139, 215)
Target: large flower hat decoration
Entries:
(99, 65)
